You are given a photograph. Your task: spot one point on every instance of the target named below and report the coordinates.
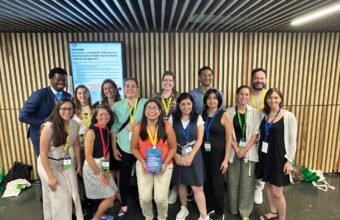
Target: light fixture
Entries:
(314, 15)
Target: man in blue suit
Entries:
(41, 103)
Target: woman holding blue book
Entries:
(153, 144)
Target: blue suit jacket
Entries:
(35, 110)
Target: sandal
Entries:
(265, 216)
(121, 214)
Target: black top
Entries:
(216, 131)
(270, 166)
(237, 127)
(98, 145)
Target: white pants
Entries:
(158, 184)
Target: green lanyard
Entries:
(242, 126)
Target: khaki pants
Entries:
(158, 184)
(241, 183)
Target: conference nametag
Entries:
(130, 135)
(186, 149)
(243, 143)
(67, 162)
(207, 146)
(264, 147)
(105, 165)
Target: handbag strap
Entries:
(128, 119)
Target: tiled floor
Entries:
(304, 202)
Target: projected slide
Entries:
(92, 62)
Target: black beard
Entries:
(258, 89)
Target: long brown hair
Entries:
(58, 128)
(77, 109)
(104, 98)
(266, 108)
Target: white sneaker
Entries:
(206, 218)
(173, 196)
(182, 214)
(258, 198)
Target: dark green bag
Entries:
(310, 176)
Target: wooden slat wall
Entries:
(305, 66)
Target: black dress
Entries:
(214, 184)
(270, 165)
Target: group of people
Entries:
(178, 142)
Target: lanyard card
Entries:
(67, 162)
(207, 146)
(242, 143)
(105, 165)
(130, 135)
(187, 149)
(154, 160)
(264, 147)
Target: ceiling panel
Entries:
(161, 15)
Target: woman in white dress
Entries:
(56, 169)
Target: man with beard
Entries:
(205, 77)
(41, 103)
(258, 92)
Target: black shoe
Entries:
(215, 216)
(190, 196)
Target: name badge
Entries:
(67, 162)
(130, 135)
(105, 165)
(153, 160)
(264, 147)
(242, 143)
(187, 149)
(207, 146)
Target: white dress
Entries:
(58, 205)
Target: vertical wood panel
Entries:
(305, 66)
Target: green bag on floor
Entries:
(2, 176)
(310, 176)
(317, 178)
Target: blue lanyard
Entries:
(269, 125)
(208, 125)
(186, 132)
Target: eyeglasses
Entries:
(154, 108)
(66, 109)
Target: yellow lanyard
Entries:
(87, 119)
(153, 139)
(67, 142)
(258, 107)
(167, 106)
(132, 116)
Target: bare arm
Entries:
(89, 144)
(228, 129)
(134, 145)
(76, 148)
(200, 133)
(45, 143)
(172, 144)
(117, 155)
